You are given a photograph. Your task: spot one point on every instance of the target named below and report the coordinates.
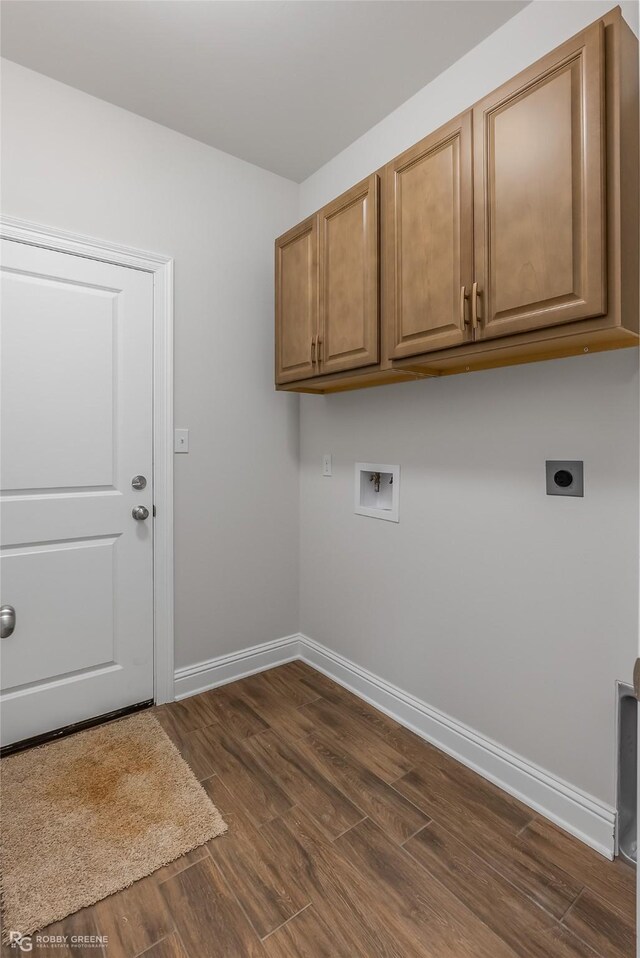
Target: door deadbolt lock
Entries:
(139, 482)
(140, 512)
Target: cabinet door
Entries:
(429, 241)
(349, 286)
(539, 192)
(297, 302)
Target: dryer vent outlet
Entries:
(565, 477)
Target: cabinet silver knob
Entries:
(7, 621)
(140, 512)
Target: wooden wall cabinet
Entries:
(327, 288)
(329, 335)
(297, 302)
(509, 235)
(349, 327)
(429, 241)
(539, 191)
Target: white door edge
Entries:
(22, 231)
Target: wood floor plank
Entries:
(334, 886)
(612, 881)
(257, 873)
(596, 923)
(287, 684)
(436, 766)
(421, 755)
(479, 797)
(399, 891)
(167, 717)
(507, 813)
(208, 918)
(370, 748)
(303, 782)
(169, 947)
(446, 798)
(196, 751)
(397, 816)
(313, 680)
(523, 925)
(407, 743)
(232, 712)
(179, 864)
(260, 795)
(276, 711)
(339, 695)
(546, 880)
(134, 918)
(542, 881)
(308, 935)
(81, 923)
(191, 713)
(298, 669)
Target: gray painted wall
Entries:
(509, 610)
(75, 162)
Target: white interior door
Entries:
(76, 427)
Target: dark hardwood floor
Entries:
(349, 837)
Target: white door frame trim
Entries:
(161, 267)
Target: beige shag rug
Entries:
(88, 815)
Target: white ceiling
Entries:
(285, 85)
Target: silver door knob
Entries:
(7, 621)
(140, 512)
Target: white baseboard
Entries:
(237, 665)
(580, 814)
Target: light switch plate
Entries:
(326, 464)
(181, 440)
(565, 477)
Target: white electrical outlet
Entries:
(326, 464)
(181, 440)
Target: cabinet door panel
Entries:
(349, 286)
(539, 200)
(297, 302)
(429, 241)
